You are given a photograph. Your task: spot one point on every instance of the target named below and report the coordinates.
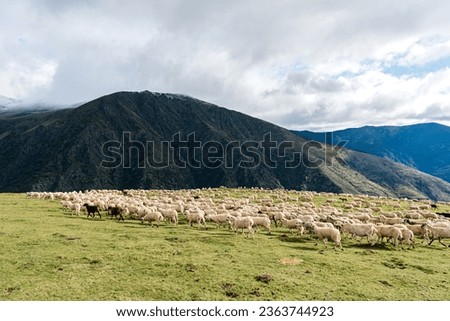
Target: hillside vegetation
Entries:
(126, 141)
(425, 147)
(51, 254)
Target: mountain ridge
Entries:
(62, 150)
(423, 146)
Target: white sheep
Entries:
(142, 211)
(445, 224)
(413, 215)
(389, 214)
(262, 221)
(180, 206)
(306, 218)
(361, 230)
(197, 216)
(153, 217)
(419, 230)
(242, 223)
(429, 215)
(390, 232)
(309, 226)
(292, 224)
(408, 236)
(66, 205)
(276, 217)
(76, 207)
(438, 233)
(390, 220)
(219, 219)
(363, 217)
(326, 233)
(169, 214)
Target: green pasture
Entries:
(47, 254)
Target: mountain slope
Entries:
(425, 147)
(115, 140)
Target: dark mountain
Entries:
(117, 141)
(425, 147)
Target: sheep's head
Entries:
(309, 226)
(338, 225)
(299, 224)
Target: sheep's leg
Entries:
(395, 242)
(431, 241)
(275, 221)
(440, 241)
(426, 237)
(388, 239)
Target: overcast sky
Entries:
(318, 65)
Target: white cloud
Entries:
(301, 64)
(23, 79)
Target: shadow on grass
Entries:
(369, 246)
(312, 248)
(295, 239)
(390, 247)
(84, 218)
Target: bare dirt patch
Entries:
(290, 261)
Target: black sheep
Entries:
(91, 210)
(116, 212)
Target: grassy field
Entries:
(50, 255)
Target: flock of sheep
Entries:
(327, 216)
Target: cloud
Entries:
(21, 78)
(300, 64)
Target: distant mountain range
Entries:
(425, 147)
(123, 141)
